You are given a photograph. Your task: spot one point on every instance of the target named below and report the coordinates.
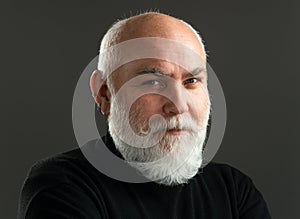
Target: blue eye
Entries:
(151, 82)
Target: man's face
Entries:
(168, 109)
(165, 89)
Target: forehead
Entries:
(149, 48)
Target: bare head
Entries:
(153, 24)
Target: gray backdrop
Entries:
(252, 46)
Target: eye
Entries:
(192, 81)
(151, 82)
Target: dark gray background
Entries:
(253, 48)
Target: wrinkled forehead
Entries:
(150, 48)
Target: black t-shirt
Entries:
(68, 186)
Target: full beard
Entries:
(161, 157)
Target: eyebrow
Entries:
(160, 73)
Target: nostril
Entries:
(172, 109)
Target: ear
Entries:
(100, 91)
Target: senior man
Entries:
(151, 84)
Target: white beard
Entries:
(164, 158)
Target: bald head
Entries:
(154, 25)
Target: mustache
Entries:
(159, 124)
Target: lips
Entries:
(175, 131)
(171, 131)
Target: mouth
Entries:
(176, 131)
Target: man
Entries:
(151, 84)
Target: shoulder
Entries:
(228, 176)
(236, 184)
(56, 166)
(49, 172)
(225, 171)
(56, 178)
(61, 168)
(62, 165)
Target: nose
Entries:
(176, 100)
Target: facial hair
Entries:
(161, 157)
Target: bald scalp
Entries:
(153, 24)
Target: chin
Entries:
(173, 161)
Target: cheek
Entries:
(200, 107)
(142, 109)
